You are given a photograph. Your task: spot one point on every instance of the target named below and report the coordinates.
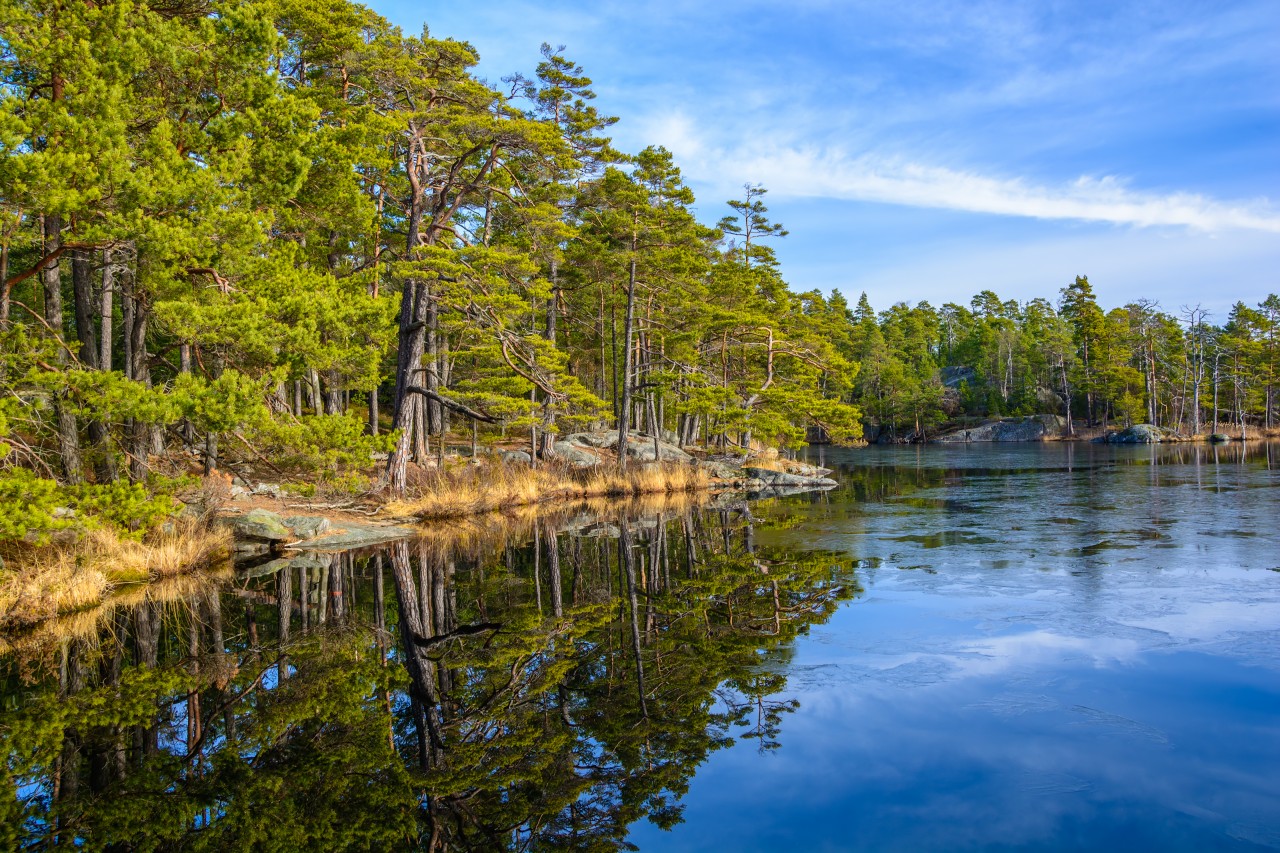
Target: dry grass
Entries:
(768, 464)
(492, 486)
(41, 583)
(34, 644)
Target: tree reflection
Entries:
(496, 696)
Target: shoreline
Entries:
(43, 584)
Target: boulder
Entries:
(306, 526)
(768, 478)
(260, 525)
(1219, 438)
(271, 490)
(599, 438)
(575, 455)
(643, 450)
(1136, 434)
(1030, 428)
(723, 470)
(515, 456)
(639, 447)
(809, 470)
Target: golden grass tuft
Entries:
(41, 583)
(31, 594)
(492, 486)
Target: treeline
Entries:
(922, 367)
(288, 232)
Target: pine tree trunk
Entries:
(51, 278)
(106, 309)
(624, 417)
(91, 353)
(141, 443)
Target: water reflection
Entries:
(471, 689)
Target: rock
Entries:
(1136, 434)
(723, 470)
(306, 526)
(260, 525)
(1030, 428)
(768, 477)
(63, 512)
(515, 456)
(643, 451)
(269, 489)
(1048, 399)
(239, 493)
(1219, 438)
(600, 438)
(809, 470)
(575, 455)
(952, 377)
(639, 447)
(350, 536)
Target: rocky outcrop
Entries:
(260, 525)
(1030, 428)
(645, 451)
(1048, 400)
(722, 470)
(1136, 434)
(257, 531)
(575, 455)
(772, 479)
(953, 377)
(306, 526)
(639, 447)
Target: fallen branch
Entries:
(450, 404)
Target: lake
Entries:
(1050, 646)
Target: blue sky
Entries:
(928, 150)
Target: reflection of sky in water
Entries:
(1084, 656)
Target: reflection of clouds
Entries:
(1212, 620)
(1032, 648)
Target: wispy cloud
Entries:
(1087, 198)
(795, 171)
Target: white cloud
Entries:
(795, 171)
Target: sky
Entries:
(929, 150)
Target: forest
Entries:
(289, 233)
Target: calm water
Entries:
(1040, 647)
